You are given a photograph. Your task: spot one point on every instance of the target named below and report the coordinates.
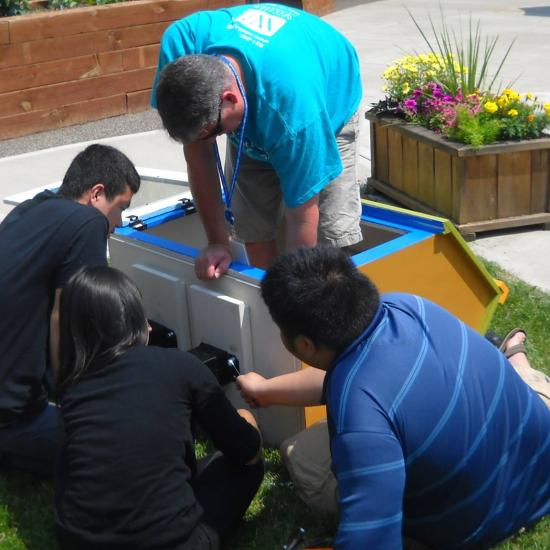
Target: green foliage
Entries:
(18, 7)
(474, 130)
(448, 89)
(13, 7)
(26, 514)
(471, 53)
(67, 4)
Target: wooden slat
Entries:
(51, 49)
(443, 189)
(540, 181)
(319, 7)
(126, 60)
(110, 62)
(51, 72)
(514, 184)
(381, 153)
(138, 101)
(504, 223)
(89, 19)
(138, 58)
(372, 136)
(410, 166)
(426, 191)
(459, 149)
(395, 158)
(458, 170)
(479, 189)
(4, 32)
(49, 97)
(216, 4)
(37, 121)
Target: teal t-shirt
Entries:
(303, 85)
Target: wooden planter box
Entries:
(494, 187)
(59, 68)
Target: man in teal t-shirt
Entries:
(285, 86)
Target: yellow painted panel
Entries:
(440, 270)
(314, 414)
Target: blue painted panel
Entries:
(415, 229)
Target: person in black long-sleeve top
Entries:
(128, 476)
(43, 241)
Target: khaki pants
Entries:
(258, 201)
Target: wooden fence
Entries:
(59, 68)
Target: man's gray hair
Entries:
(189, 95)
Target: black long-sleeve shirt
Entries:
(125, 469)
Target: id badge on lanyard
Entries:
(238, 248)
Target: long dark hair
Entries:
(101, 316)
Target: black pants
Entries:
(224, 491)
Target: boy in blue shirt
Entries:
(434, 435)
(285, 86)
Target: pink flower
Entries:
(411, 105)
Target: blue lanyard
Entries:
(228, 192)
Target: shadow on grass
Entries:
(276, 513)
(26, 512)
(26, 518)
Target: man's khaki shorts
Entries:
(258, 200)
(306, 456)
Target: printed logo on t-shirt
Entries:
(260, 22)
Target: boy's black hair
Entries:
(100, 316)
(100, 164)
(319, 293)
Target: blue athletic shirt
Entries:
(302, 84)
(434, 435)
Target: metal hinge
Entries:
(136, 223)
(188, 205)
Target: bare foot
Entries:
(517, 339)
(519, 360)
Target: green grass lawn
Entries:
(26, 519)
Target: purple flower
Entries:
(411, 105)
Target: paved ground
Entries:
(381, 31)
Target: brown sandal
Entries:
(518, 348)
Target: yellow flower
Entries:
(530, 118)
(406, 88)
(511, 94)
(513, 112)
(547, 108)
(530, 96)
(502, 101)
(410, 68)
(490, 107)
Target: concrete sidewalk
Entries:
(381, 32)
